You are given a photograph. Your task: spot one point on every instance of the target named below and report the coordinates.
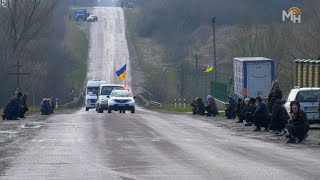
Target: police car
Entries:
(121, 100)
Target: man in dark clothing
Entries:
(240, 110)
(12, 109)
(274, 94)
(298, 123)
(249, 113)
(231, 109)
(279, 117)
(24, 106)
(260, 115)
(245, 105)
(201, 107)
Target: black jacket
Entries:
(279, 113)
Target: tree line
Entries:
(243, 28)
(32, 39)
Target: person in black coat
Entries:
(24, 106)
(274, 94)
(250, 111)
(12, 109)
(279, 117)
(231, 109)
(260, 115)
(298, 123)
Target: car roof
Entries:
(112, 85)
(120, 90)
(306, 89)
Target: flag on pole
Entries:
(121, 73)
(209, 68)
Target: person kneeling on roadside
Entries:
(250, 111)
(12, 109)
(211, 108)
(198, 106)
(260, 115)
(279, 118)
(24, 106)
(298, 123)
(45, 107)
(231, 109)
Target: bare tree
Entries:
(23, 21)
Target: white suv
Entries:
(104, 91)
(121, 100)
(309, 102)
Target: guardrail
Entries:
(72, 103)
(156, 103)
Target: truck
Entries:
(80, 14)
(253, 76)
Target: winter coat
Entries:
(213, 106)
(13, 105)
(300, 121)
(279, 116)
(274, 94)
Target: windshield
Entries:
(94, 90)
(121, 94)
(308, 96)
(106, 90)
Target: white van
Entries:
(309, 102)
(92, 93)
(104, 91)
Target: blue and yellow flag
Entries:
(209, 68)
(122, 72)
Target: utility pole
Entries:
(214, 48)
(18, 73)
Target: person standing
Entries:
(24, 106)
(274, 94)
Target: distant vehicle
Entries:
(92, 93)
(121, 100)
(104, 91)
(130, 5)
(309, 102)
(92, 18)
(80, 14)
(253, 76)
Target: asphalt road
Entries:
(146, 145)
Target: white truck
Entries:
(253, 76)
(91, 93)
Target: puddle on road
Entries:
(8, 132)
(32, 125)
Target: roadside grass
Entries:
(78, 46)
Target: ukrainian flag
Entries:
(209, 68)
(122, 72)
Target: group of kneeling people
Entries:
(199, 108)
(47, 106)
(254, 111)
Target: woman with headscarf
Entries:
(211, 108)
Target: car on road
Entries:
(309, 102)
(92, 18)
(121, 100)
(104, 91)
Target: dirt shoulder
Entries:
(313, 141)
